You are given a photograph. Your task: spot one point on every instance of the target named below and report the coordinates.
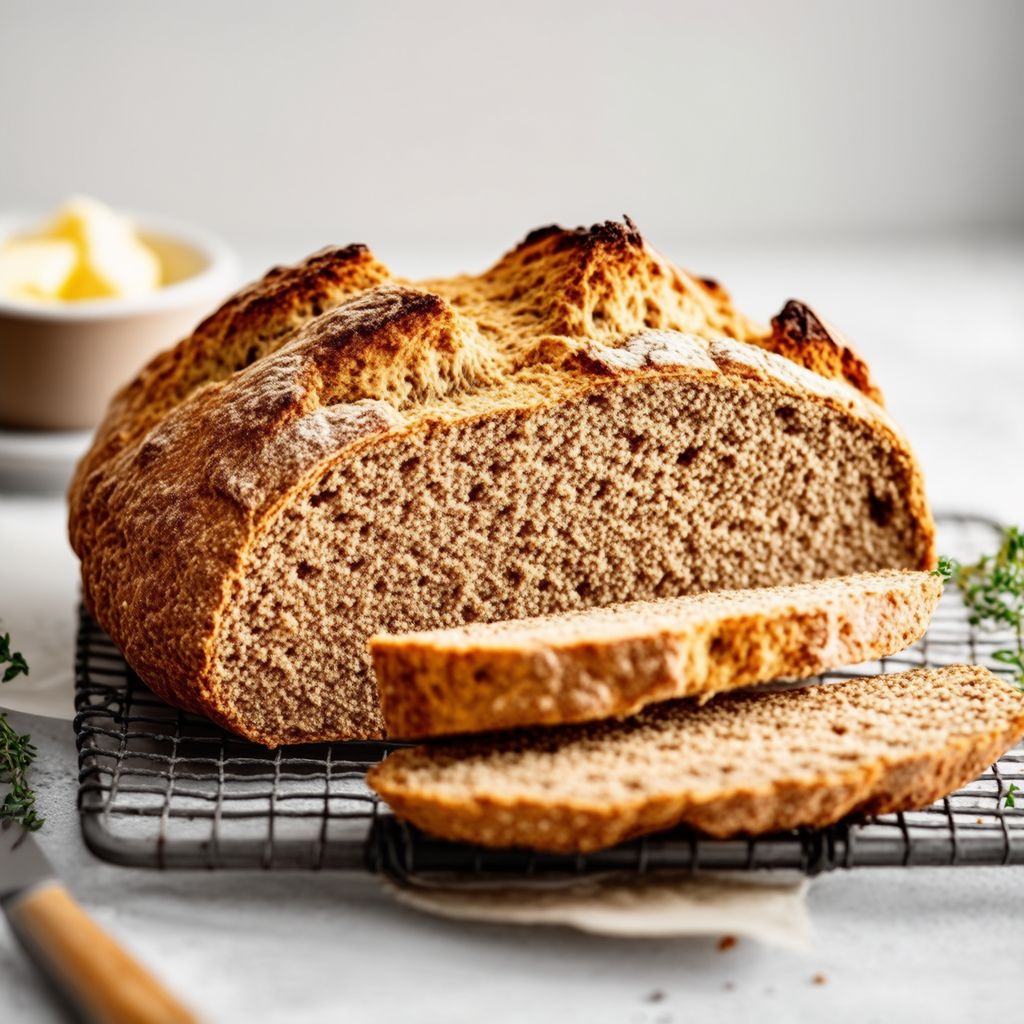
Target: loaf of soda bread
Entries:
(337, 452)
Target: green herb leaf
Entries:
(15, 660)
(1010, 800)
(16, 754)
(993, 592)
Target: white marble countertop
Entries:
(943, 327)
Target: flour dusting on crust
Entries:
(293, 451)
(652, 349)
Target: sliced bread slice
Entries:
(610, 662)
(741, 764)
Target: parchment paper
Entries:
(768, 907)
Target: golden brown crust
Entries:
(606, 280)
(249, 325)
(907, 773)
(306, 368)
(611, 662)
(798, 333)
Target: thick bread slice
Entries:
(738, 765)
(610, 662)
(337, 453)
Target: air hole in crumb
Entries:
(356, 565)
(380, 586)
(880, 509)
(728, 461)
(476, 492)
(686, 456)
(321, 496)
(469, 613)
(364, 530)
(785, 412)
(636, 442)
(717, 645)
(839, 730)
(544, 585)
(584, 589)
(600, 401)
(304, 570)
(514, 576)
(665, 586)
(602, 489)
(408, 465)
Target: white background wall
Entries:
(412, 123)
(866, 156)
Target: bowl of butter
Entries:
(88, 295)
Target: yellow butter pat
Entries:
(113, 262)
(36, 269)
(86, 251)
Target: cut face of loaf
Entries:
(610, 662)
(743, 765)
(630, 491)
(336, 454)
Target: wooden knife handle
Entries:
(101, 981)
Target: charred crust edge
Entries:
(608, 234)
(798, 322)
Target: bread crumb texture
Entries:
(604, 662)
(337, 452)
(738, 765)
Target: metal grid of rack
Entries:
(163, 788)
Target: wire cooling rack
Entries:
(162, 788)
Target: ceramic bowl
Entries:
(61, 362)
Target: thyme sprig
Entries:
(993, 591)
(15, 660)
(17, 753)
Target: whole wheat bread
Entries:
(336, 452)
(610, 662)
(740, 764)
